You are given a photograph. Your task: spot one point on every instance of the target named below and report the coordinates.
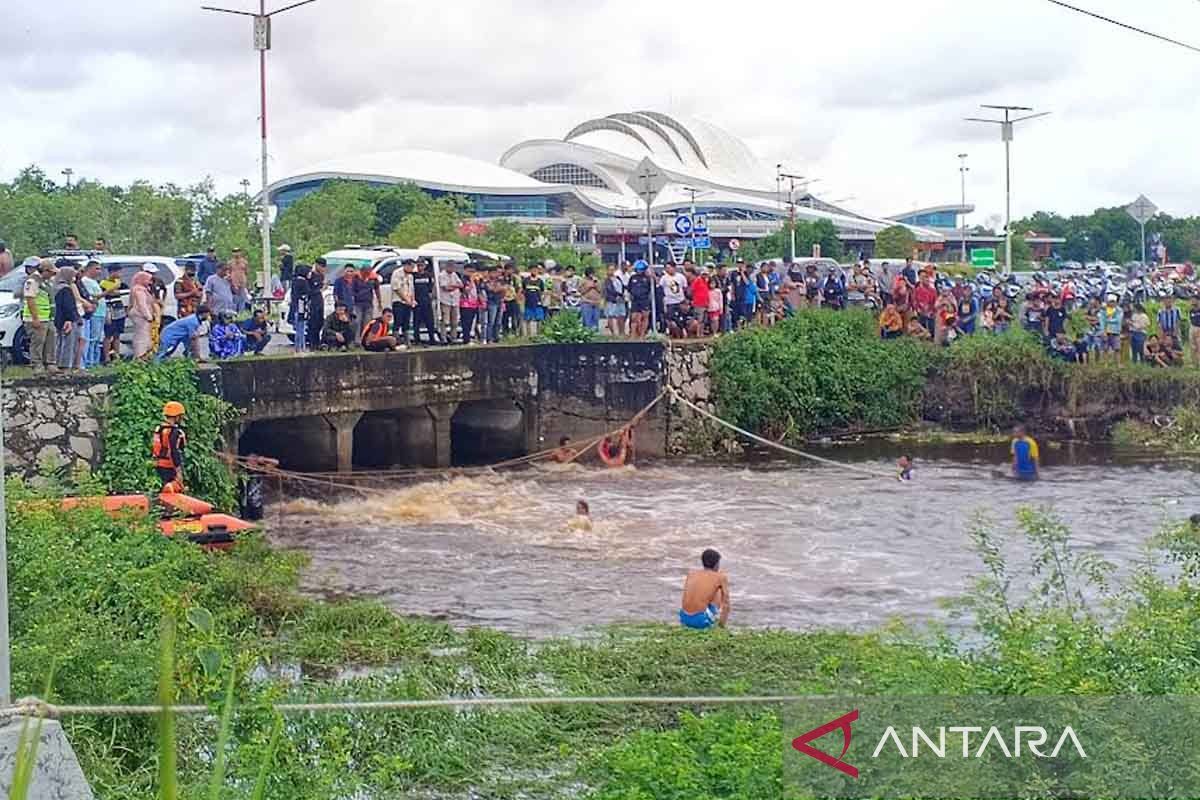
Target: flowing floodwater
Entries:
(805, 546)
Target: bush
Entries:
(818, 370)
(135, 409)
(566, 327)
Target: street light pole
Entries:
(963, 169)
(1006, 135)
(68, 172)
(792, 208)
(262, 43)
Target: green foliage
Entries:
(818, 370)
(1178, 434)
(1111, 234)
(337, 214)
(896, 241)
(135, 410)
(1022, 253)
(565, 327)
(1000, 371)
(779, 244)
(431, 221)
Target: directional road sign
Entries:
(683, 224)
(700, 242)
(983, 257)
(1142, 209)
(647, 180)
(699, 224)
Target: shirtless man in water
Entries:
(705, 594)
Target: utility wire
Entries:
(1126, 26)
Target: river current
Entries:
(806, 546)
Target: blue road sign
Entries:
(683, 224)
(701, 242)
(700, 224)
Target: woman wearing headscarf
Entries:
(66, 316)
(141, 314)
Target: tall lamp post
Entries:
(963, 169)
(262, 43)
(792, 209)
(1006, 135)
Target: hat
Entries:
(150, 268)
(283, 248)
(211, 249)
(92, 261)
(33, 262)
(64, 262)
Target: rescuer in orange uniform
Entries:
(167, 448)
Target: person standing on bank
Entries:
(403, 300)
(66, 316)
(167, 446)
(316, 302)
(423, 309)
(38, 324)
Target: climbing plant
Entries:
(135, 409)
(566, 327)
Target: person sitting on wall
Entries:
(338, 331)
(377, 334)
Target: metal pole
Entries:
(650, 260)
(962, 171)
(792, 215)
(1143, 260)
(5, 672)
(266, 202)
(1007, 200)
(693, 234)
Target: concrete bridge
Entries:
(440, 407)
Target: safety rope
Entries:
(617, 431)
(782, 447)
(36, 707)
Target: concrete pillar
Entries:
(57, 775)
(440, 414)
(343, 431)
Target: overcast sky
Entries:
(869, 95)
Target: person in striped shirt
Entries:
(1168, 320)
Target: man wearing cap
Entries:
(39, 327)
(287, 263)
(208, 266)
(6, 259)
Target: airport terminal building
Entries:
(579, 186)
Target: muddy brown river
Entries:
(806, 546)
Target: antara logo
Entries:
(1023, 737)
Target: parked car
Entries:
(12, 332)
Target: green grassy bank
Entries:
(89, 592)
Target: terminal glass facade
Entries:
(934, 219)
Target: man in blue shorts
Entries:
(705, 594)
(1026, 459)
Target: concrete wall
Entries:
(56, 421)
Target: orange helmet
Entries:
(173, 409)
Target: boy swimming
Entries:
(905, 463)
(582, 521)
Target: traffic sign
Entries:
(734, 244)
(700, 224)
(1142, 209)
(647, 180)
(678, 249)
(698, 242)
(983, 257)
(683, 224)
(657, 240)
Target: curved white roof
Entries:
(427, 168)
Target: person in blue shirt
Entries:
(257, 335)
(1168, 319)
(207, 266)
(1025, 457)
(749, 297)
(186, 331)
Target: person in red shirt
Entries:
(925, 298)
(699, 291)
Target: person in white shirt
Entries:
(449, 288)
(673, 285)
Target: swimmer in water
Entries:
(906, 467)
(705, 594)
(1026, 461)
(565, 452)
(582, 521)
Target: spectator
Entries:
(833, 290)
(1001, 315)
(364, 286)
(377, 334)
(66, 315)
(1031, 319)
(256, 333)
(812, 286)
(571, 284)
(1154, 353)
(1061, 347)
(891, 322)
(945, 321)
(471, 299)
(533, 287)
(188, 291)
(188, 331)
(1110, 326)
(220, 295)
(681, 324)
(792, 291)
(94, 351)
(338, 332)
(640, 289)
(225, 340)
(614, 302)
(511, 320)
(1172, 351)
(423, 290)
(716, 305)
(449, 294)
(924, 301)
(968, 312)
(316, 302)
(299, 312)
(6, 259)
(553, 298)
(749, 284)
(38, 314)
(917, 330)
(1054, 319)
(674, 287)
(699, 297)
(496, 288)
(208, 266)
(287, 264)
(1168, 318)
(1194, 331)
(1139, 326)
(239, 278)
(404, 300)
(590, 298)
(114, 325)
(141, 314)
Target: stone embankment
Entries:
(54, 423)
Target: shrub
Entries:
(566, 327)
(818, 370)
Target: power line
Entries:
(1126, 26)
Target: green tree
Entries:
(430, 221)
(1121, 252)
(335, 215)
(1022, 254)
(896, 241)
(393, 204)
